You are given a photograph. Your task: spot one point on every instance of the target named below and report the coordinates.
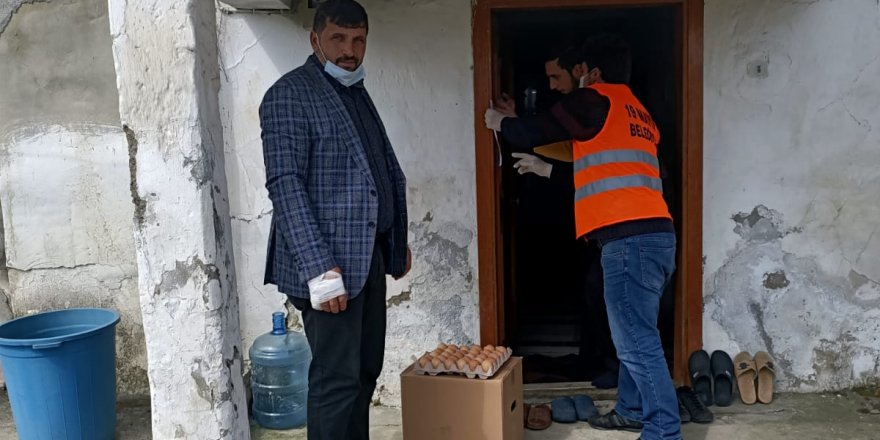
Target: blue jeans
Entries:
(637, 270)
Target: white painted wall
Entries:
(797, 155)
(166, 60)
(419, 74)
(64, 180)
(799, 142)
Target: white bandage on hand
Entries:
(324, 288)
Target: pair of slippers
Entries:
(755, 377)
(560, 410)
(712, 377)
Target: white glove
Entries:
(531, 164)
(324, 288)
(493, 119)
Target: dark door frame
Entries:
(689, 285)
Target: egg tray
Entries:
(467, 371)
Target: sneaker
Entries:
(694, 406)
(615, 421)
(683, 413)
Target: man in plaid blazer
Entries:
(340, 221)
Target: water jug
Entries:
(280, 376)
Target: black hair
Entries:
(345, 13)
(567, 56)
(611, 54)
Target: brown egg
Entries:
(442, 346)
(473, 364)
(487, 365)
(436, 362)
(424, 361)
(493, 356)
(501, 349)
(489, 347)
(475, 348)
(449, 363)
(461, 363)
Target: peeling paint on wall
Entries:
(165, 54)
(765, 298)
(9, 7)
(791, 188)
(63, 179)
(5, 311)
(140, 205)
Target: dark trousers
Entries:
(347, 354)
(596, 348)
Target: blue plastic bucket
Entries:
(60, 370)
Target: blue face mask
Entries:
(345, 77)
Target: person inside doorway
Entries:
(564, 67)
(619, 205)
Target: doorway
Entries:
(521, 245)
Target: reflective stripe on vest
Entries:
(612, 156)
(612, 183)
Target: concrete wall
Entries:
(791, 191)
(64, 177)
(419, 74)
(792, 187)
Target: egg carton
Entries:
(467, 371)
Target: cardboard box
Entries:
(453, 407)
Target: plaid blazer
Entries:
(322, 190)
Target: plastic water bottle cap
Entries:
(278, 327)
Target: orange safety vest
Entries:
(617, 174)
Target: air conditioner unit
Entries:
(260, 5)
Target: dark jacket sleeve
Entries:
(562, 172)
(525, 133)
(580, 115)
(286, 148)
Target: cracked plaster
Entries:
(770, 142)
(792, 254)
(166, 64)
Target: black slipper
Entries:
(700, 369)
(722, 374)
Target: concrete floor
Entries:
(850, 416)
